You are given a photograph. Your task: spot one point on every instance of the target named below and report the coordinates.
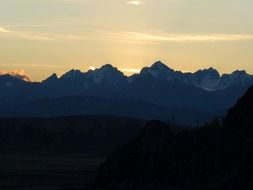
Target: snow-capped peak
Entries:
(236, 77)
(210, 73)
(207, 79)
(105, 72)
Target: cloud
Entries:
(35, 65)
(31, 36)
(158, 37)
(18, 74)
(3, 30)
(24, 35)
(126, 36)
(167, 37)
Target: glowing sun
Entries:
(136, 3)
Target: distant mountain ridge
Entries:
(203, 91)
(206, 79)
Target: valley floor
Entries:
(47, 172)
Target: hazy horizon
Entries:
(127, 72)
(42, 37)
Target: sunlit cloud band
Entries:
(24, 35)
(3, 30)
(125, 36)
(166, 37)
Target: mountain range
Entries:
(157, 92)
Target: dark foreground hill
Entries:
(59, 153)
(76, 134)
(215, 157)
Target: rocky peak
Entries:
(210, 73)
(51, 78)
(72, 74)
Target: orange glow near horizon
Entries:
(53, 36)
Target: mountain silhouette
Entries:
(241, 114)
(204, 91)
(216, 156)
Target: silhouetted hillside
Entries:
(242, 114)
(214, 157)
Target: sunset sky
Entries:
(40, 37)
